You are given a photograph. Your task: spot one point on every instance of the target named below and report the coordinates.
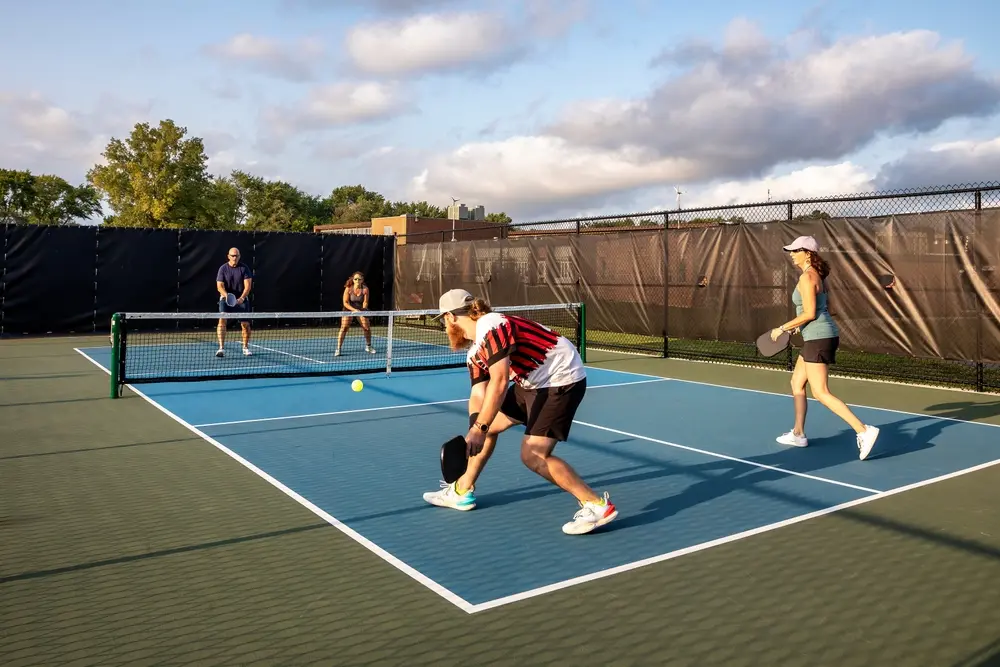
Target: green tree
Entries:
(273, 205)
(155, 178)
(44, 199)
(500, 218)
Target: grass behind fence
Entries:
(850, 363)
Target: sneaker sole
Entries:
(460, 508)
(603, 522)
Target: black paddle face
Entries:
(768, 347)
(453, 459)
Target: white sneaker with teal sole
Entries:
(448, 496)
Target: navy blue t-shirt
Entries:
(233, 276)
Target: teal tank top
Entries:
(821, 327)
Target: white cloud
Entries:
(290, 62)
(432, 42)
(732, 116)
(814, 181)
(748, 106)
(956, 162)
(528, 173)
(331, 106)
(38, 135)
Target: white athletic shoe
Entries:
(337, 353)
(793, 440)
(590, 516)
(220, 352)
(369, 349)
(866, 441)
(246, 352)
(448, 496)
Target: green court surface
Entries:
(128, 539)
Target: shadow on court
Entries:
(85, 450)
(966, 410)
(164, 552)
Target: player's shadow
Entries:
(966, 410)
(719, 478)
(903, 436)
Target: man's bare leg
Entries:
(536, 454)
(221, 331)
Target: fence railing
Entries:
(913, 286)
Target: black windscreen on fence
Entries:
(136, 271)
(49, 283)
(287, 272)
(348, 254)
(202, 253)
(72, 279)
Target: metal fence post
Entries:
(789, 362)
(666, 285)
(980, 314)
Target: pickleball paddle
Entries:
(454, 459)
(768, 347)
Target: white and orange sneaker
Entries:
(591, 515)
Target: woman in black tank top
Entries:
(356, 300)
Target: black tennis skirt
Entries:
(821, 350)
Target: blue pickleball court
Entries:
(689, 466)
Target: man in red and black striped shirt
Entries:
(549, 383)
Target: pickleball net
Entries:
(182, 347)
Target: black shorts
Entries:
(238, 308)
(546, 412)
(821, 350)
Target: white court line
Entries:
(853, 405)
(730, 458)
(389, 407)
(774, 393)
(524, 595)
(297, 356)
(542, 590)
(326, 516)
(328, 414)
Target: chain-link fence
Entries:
(913, 284)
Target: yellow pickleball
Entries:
(357, 385)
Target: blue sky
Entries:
(537, 107)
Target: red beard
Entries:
(456, 337)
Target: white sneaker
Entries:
(369, 349)
(590, 516)
(246, 352)
(448, 496)
(866, 441)
(794, 440)
(337, 353)
(220, 352)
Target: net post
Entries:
(115, 353)
(388, 347)
(582, 332)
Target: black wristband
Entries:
(472, 419)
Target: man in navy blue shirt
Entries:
(234, 277)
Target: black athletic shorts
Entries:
(821, 350)
(547, 412)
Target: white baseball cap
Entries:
(802, 243)
(453, 300)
